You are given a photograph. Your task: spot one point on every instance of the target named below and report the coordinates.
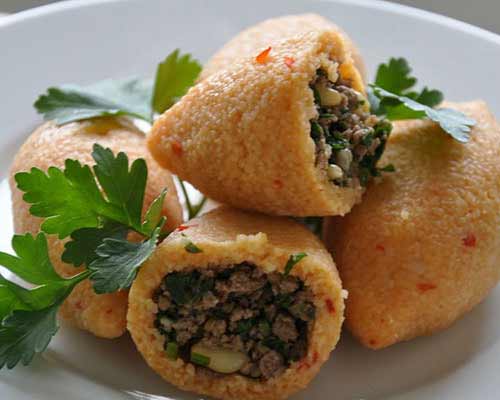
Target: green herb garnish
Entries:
(172, 350)
(110, 97)
(244, 326)
(189, 246)
(388, 168)
(264, 328)
(192, 208)
(187, 287)
(133, 97)
(293, 260)
(72, 204)
(28, 316)
(174, 76)
(393, 95)
(200, 359)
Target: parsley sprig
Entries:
(393, 95)
(72, 204)
(28, 316)
(96, 207)
(132, 97)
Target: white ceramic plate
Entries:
(84, 41)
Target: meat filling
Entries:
(235, 319)
(349, 140)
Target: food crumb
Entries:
(405, 214)
(469, 240)
(262, 56)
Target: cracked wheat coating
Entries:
(271, 31)
(49, 145)
(423, 248)
(287, 132)
(226, 321)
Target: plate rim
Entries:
(400, 9)
(26, 17)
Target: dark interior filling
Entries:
(235, 319)
(349, 140)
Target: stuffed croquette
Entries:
(287, 131)
(423, 248)
(270, 32)
(50, 145)
(237, 305)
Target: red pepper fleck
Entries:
(278, 183)
(262, 56)
(289, 61)
(469, 240)
(181, 228)
(79, 305)
(372, 342)
(380, 247)
(330, 306)
(109, 311)
(176, 147)
(424, 287)
(304, 365)
(315, 357)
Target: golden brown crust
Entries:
(242, 136)
(268, 33)
(49, 145)
(423, 247)
(228, 236)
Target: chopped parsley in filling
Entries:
(235, 319)
(349, 140)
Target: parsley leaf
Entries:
(70, 200)
(25, 333)
(124, 188)
(293, 260)
(9, 301)
(153, 214)
(451, 121)
(174, 76)
(118, 261)
(81, 249)
(130, 96)
(133, 97)
(28, 316)
(395, 76)
(393, 96)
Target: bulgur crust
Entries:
(271, 31)
(50, 145)
(228, 236)
(242, 136)
(423, 247)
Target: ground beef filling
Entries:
(235, 319)
(349, 140)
